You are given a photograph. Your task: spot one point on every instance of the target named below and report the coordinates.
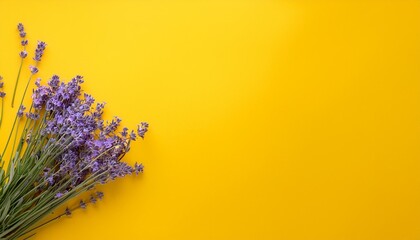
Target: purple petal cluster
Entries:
(32, 115)
(33, 69)
(21, 30)
(67, 212)
(138, 168)
(2, 93)
(23, 54)
(82, 204)
(142, 129)
(59, 195)
(20, 111)
(92, 148)
(24, 41)
(92, 199)
(39, 51)
(100, 195)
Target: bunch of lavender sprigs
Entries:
(63, 150)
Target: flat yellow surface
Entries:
(269, 119)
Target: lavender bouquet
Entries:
(60, 147)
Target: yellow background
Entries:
(269, 119)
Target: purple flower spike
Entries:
(50, 180)
(82, 204)
(142, 129)
(67, 212)
(21, 109)
(21, 29)
(39, 51)
(24, 42)
(33, 69)
(32, 116)
(54, 82)
(133, 136)
(38, 82)
(2, 94)
(1, 84)
(138, 168)
(100, 195)
(23, 54)
(59, 195)
(92, 199)
(124, 132)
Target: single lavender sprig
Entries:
(33, 69)
(22, 55)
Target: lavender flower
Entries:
(65, 149)
(67, 212)
(38, 82)
(23, 54)
(124, 132)
(92, 199)
(133, 135)
(94, 148)
(39, 51)
(59, 195)
(82, 204)
(100, 195)
(33, 69)
(20, 111)
(32, 116)
(2, 95)
(54, 82)
(21, 29)
(50, 180)
(138, 168)
(142, 129)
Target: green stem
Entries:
(17, 81)
(2, 109)
(33, 234)
(52, 219)
(14, 140)
(14, 122)
(43, 224)
(8, 139)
